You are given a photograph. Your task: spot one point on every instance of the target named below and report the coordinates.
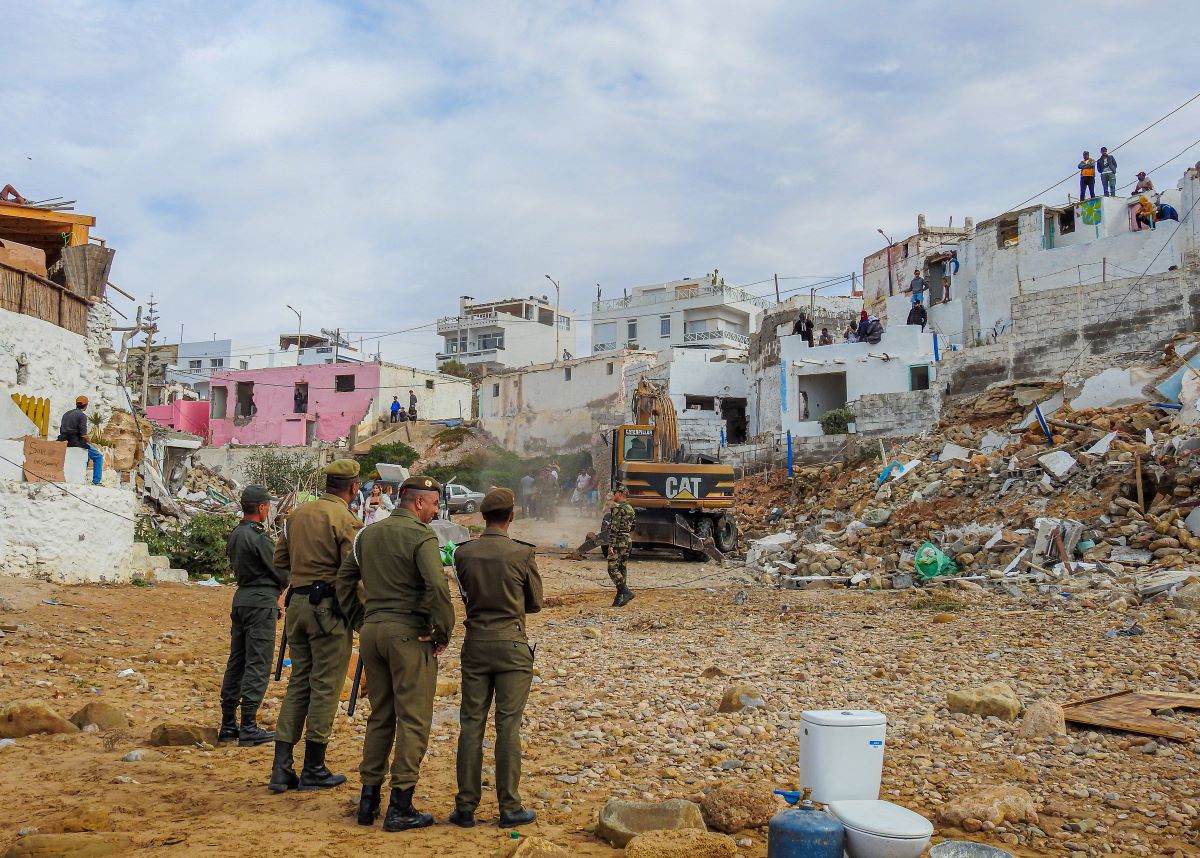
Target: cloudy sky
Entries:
(368, 162)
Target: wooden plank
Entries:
(1131, 712)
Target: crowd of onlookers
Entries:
(1147, 213)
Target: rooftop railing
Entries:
(723, 294)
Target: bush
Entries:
(197, 546)
(454, 367)
(391, 454)
(836, 422)
(281, 472)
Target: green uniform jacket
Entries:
(316, 538)
(620, 523)
(398, 561)
(500, 584)
(258, 581)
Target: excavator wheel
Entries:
(726, 534)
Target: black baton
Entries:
(354, 688)
(279, 658)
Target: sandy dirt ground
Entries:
(619, 708)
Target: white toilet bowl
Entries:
(880, 829)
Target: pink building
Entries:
(291, 406)
(184, 415)
(294, 406)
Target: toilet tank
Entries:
(841, 753)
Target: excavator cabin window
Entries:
(638, 447)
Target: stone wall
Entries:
(896, 414)
(1061, 328)
(83, 537)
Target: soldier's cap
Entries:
(421, 484)
(498, 499)
(620, 487)
(341, 468)
(255, 495)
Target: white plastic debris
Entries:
(126, 673)
(7, 743)
(1101, 447)
(210, 581)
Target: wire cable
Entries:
(68, 491)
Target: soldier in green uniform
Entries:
(255, 611)
(500, 584)
(405, 620)
(316, 538)
(620, 530)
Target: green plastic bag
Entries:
(931, 562)
(448, 554)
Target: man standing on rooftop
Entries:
(1087, 176)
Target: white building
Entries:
(701, 312)
(506, 333)
(555, 408)
(813, 381)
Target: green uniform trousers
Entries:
(503, 670)
(319, 644)
(618, 556)
(401, 681)
(251, 652)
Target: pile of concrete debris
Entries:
(1097, 505)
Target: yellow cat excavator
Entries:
(682, 500)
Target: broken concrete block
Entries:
(1114, 388)
(1100, 448)
(620, 821)
(1059, 463)
(955, 451)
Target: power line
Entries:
(68, 491)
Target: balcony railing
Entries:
(604, 347)
(461, 323)
(722, 294)
(477, 353)
(717, 336)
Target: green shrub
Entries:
(197, 546)
(392, 454)
(281, 472)
(836, 422)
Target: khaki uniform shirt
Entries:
(500, 584)
(400, 566)
(315, 539)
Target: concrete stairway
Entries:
(153, 567)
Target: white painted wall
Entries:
(864, 366)
(61, 365)
(49, 535)
(448, 398)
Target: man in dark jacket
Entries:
(804, 329)
(1107, 165)
(257, 605)
(73, 428)
(917, 315)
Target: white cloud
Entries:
(370, 162)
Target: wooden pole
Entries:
(1137, 472)
(776, 288)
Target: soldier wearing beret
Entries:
(405, 620)
(255, 612)
(500, 584)
(316, 538)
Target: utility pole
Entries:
(337, 341)
(557, 301)
(151, 328)
(776, 288)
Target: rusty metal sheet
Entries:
(1131, 711)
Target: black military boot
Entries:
(229, 725)
(250, 734)
(368, 805)
(624, 597)
(462, 818)
(283, 776)
(314, 775)
(401, 815)
(516, 818)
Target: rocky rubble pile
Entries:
(1096, 504)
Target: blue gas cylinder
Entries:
(804, 831)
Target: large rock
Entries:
(90, 817)
(739, 697)
(1187, 597)
(681, 844)
(1043, 718)
(735, 807)
(29, 717)
(530, 847)
(70, 846)
(991, 804)
(620, 821)
(995, 698)
(104, 715)
(167, 735)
